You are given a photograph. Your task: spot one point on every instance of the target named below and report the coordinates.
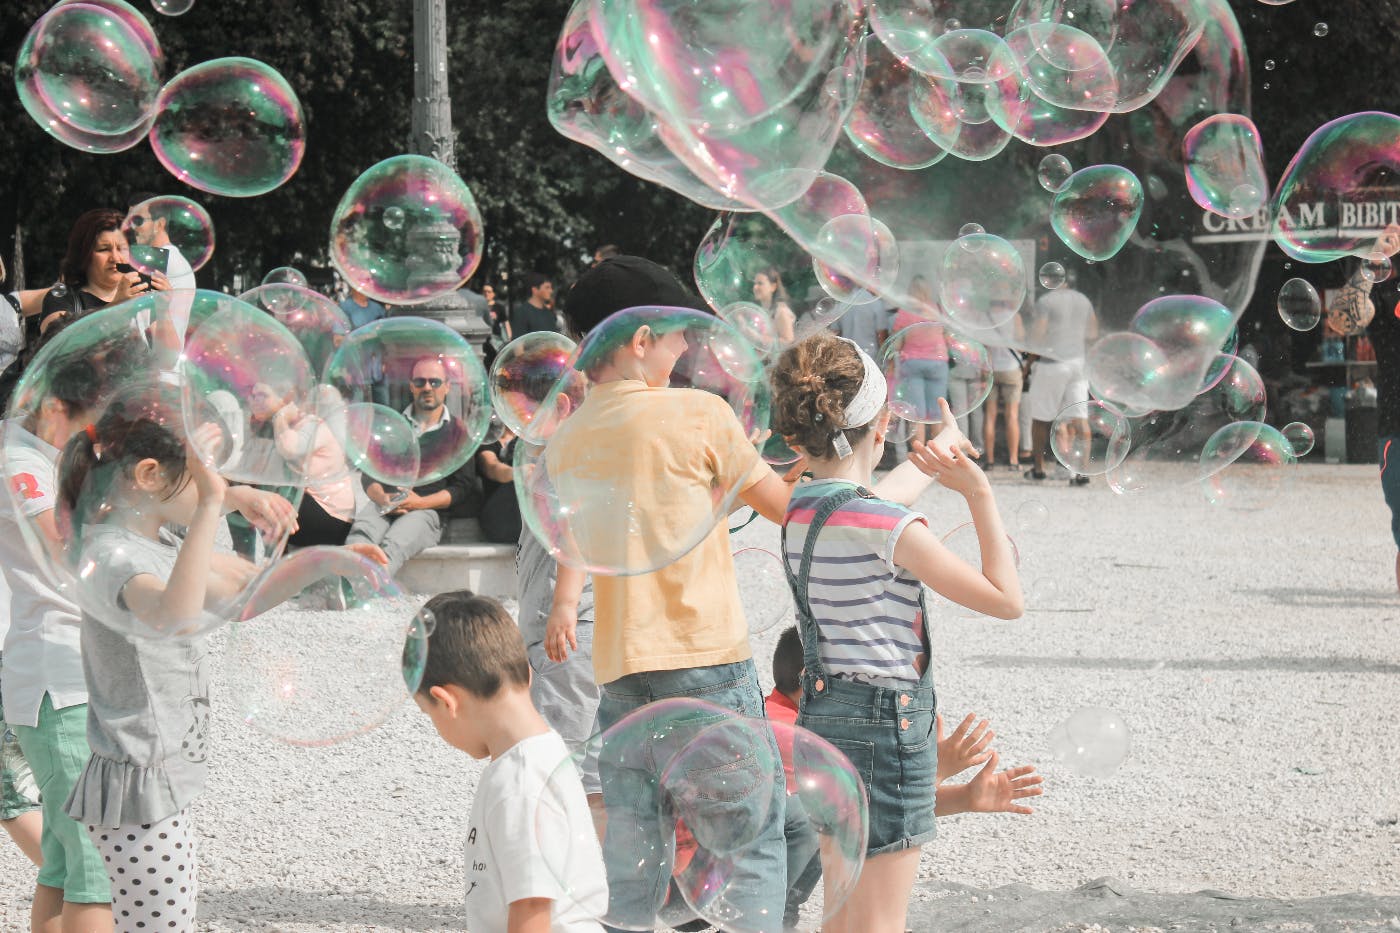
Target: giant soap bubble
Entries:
(187, 224)
(230, 126)
(406, 231)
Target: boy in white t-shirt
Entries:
(532, 855)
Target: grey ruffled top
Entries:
(148, 698)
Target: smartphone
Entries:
(150, 257)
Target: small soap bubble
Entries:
(286, 275)
(1054, 171)
(1269, 64)
(393, 218)
(1299, 305)
(1032, 516)
(1320, 30)
(1300, 438)
(525, 372)
(1093, 741)
(1052, 275)
(971, 229)
(763, 588)
(1376, 270)
(172, 7)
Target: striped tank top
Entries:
(866, 608)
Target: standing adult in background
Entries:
(362, 309)
(149, 224)
(1064, 326)
(536, 312)
(1005, 400)
(867, 325)
(771, 296)
(923, 364)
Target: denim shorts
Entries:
(888, 736)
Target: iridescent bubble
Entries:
(89, 75)
(1337, 166)
(1065, 66)
(1092, 741)
(1300, 438)
(132, 391)
(318, 323)
(435, 248)
(1320, 30)
(982, 281)
(426, 369)
(1189, 331)
(1225, 165)
(394, 218)
(753, 324)
(524, 373)
(1240, 393)
(1376, 270)
(1054, 171)
(187, 226)
(1095, 212)
(1299, 305)
(231, 126)
(1052, 275)
(881, 125)
(1129, 370)
(1247, 465)
(1032, 516)
(866, 246)
(172, 7)
(286, 275)
(284, 677)
(1090, 438)
(380, 442)
(763, 588)
(970, 230)
(570, 494)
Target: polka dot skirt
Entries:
(153, 872)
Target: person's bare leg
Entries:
(87, 918)
(25, 830)
(1013, 433)
(1040, 442)
(879, 903)
(1086, 443)
(46, 916)
(989, 429)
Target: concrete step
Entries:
(462, 561)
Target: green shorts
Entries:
(57, 750)
(18, 793)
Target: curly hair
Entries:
(813, 383)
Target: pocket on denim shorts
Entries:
(861, 754)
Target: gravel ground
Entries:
(1254, 656)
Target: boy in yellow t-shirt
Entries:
(678, 631)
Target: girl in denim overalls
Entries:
(857, 564)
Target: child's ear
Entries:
(640, 339)
(148, 475)
(447, 698)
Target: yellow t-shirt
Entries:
(641, 473)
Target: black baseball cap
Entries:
(624, 282)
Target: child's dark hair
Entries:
(813, 383)
(136, 425)
(787, 662)
(473, 644)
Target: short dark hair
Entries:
(474, 645)
(606, 251)
(620, 283)
(534, 280)
(139, 197)
(787, 662)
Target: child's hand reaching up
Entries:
(948, 457)
(207, 481)
(993, 791)
(965, 748)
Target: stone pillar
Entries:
(432, 136)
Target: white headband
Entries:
(869, 399)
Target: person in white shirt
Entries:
(43, 690)
(1065, 324)
(151, 230)
(532, 854)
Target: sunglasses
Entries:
(420, 382)
(138, 221)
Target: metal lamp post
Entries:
(432, 136)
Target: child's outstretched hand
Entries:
(993, 791)
(948, 457)
(265, 510)
(965, 748)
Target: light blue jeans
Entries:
(639, 846)
(919, 386)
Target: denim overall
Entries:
(887, 733)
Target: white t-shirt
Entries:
(42, 652)
(1067, 314)
(177, 269)
(531, 835)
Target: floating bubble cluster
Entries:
(230, 126)
(1225, 165)
(525, 372)
(406, 231)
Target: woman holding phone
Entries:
(96, 270)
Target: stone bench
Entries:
(464, 560)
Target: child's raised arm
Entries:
(995, 590)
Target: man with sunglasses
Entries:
(149, 226)
(405, 523)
